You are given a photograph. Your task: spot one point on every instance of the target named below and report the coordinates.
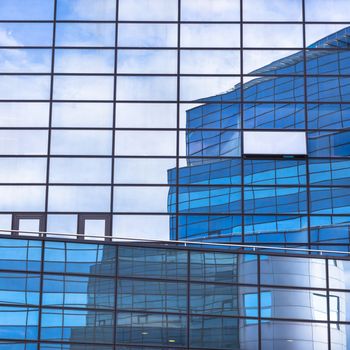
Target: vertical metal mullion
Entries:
(306, 128)
(328, 304)
(178, 122)
(115, 319)
(188, 320)
(50, 113)
(241, 120)
(259, 299)
(114, 113)
(41, 291)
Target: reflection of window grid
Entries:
(319, 308)
(251, 306)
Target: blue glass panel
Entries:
(277, 115)
(222, 267)
(152, 296)
(330, 200)
(18, 323)
(27, 257)
(78, 291)
(275, 229)
(329, 172)
(80, 258)
(208, 199)
(57, 346)
(330, 229)
(17, 345)
(331, 116)
(274, 172)
(216, 333)
(265, 200)
(213, 143)
(215, 228)
(329, 144)
(328, 89)
(152, 263)
(216, 299)
(208, 172)
(77, 326)
(141, 328)
(19, 288)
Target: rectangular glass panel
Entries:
(93, 228)
(26, 9)
(29, 225)
(22, 198)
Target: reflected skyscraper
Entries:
(227, 195)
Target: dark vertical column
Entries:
(259, 298)
(241, 118)
(50, 113)
(188, 297)
(41, 291)
(114, 112)
(177, 119)
(328, 304)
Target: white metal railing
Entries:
(167, 242)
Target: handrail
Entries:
(185, 243)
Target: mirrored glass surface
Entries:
(210, 35)
(22, 198)
(328, 116)
(85, 34)
(84, 61)
(329, 172)
(331, 10)
(86, 10)
(26, 10)
(148, 10)
(79, 198)
(147, 35)
(329, 144)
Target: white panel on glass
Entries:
(274, 142)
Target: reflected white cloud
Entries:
(141, 226)
(140, 199)
(147, 61)
(22, 198)
(148, 10)
(327, 10)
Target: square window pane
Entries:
(141, 199)
(84, 61)
(81, 142)
(147, 61)
(95, 228)
(145, 143)
(80, 170)
(85, 34)
(273, 35)
(62, 224)
(83, 88)
(86, 10)
(146, 88)
(154, 227)
(146, 115)
(25, 60)
(210, 10)
(82, 198)
(210, 62)
(29, 225)
(25, 34)
(210, 35)
(26, 9)
(267, 10)
(148, 10)
(87, 115)
(147, 35)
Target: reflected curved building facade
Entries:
(226, 194)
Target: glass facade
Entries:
(59, 294)
(128, 118)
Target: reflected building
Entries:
(227, 194)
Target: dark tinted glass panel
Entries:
(276, 115)
(222, 267)
(261, 200)
(329, 144)
(19, 288)
(80, 258)
(152, 296)
(18, 323)
(151, 329)
(275, 229)
(27, 257)
(77, 325)
(153, 263)
(330, 200)
(330, 229)
(78, 291)
(274, 172)
(329, 172)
